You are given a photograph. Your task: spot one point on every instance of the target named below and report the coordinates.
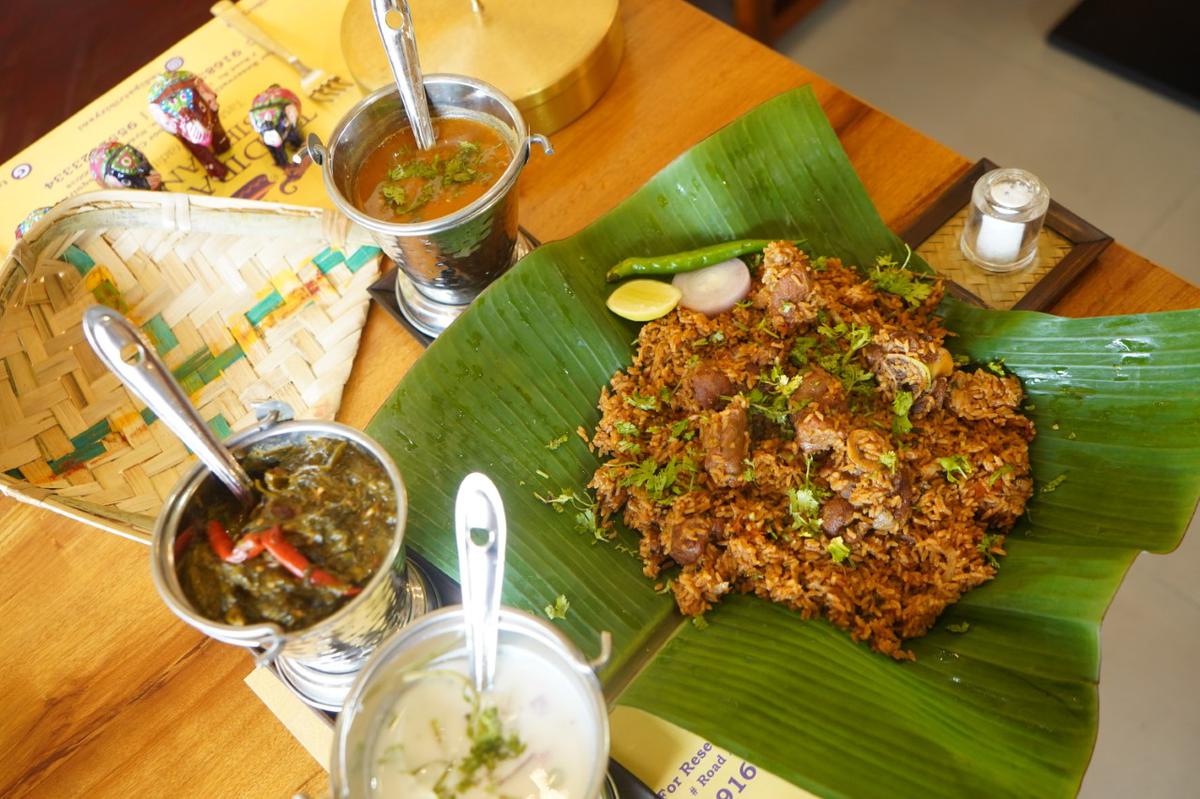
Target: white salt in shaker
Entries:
(1007, 209)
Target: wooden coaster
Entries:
(1066, 246)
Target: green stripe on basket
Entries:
(79, 259)
(327, 259)
(148, 416)
(263, 307)
(15, 474)
(90, 436)
(160, 334)
(361, 256)
(210, 370)
(77, 458)
(220, 426)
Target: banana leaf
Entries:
(1009, 707)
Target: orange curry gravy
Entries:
(399, 183)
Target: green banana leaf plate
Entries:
(1009, 707)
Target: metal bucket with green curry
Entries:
(313, 570)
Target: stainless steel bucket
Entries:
(445, 263)
(438, 635)
(338, 644)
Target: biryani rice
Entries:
(763, 451)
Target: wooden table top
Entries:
(105, 693)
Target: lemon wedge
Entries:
(643, 300)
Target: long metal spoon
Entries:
(400, 44)
(481, 533)
(118, 344)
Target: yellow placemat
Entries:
(55, 166)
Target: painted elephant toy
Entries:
(123, 166)
(186, 107)
(31, 219)
(275, 113)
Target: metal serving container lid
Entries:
(553, 58)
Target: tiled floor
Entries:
(979, 76)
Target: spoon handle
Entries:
(117, 343)
(481, 533)
(400, 43)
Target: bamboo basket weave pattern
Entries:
(245, 302)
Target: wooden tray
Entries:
(1066, 247)
(245, 301)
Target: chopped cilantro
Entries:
(664, 394)
(555, 443)
(699, 622)
(489, 745)
(624, 550)
(956, 467)
(1055, 483)
(837, 549)
(896, 279)
(985, 546)
(641, 402)
(820, 264)
(996, 475)
(900, 408)
(888, 459)
(584, 509)
(800, 349)
(660, 483)
(804, 504)
(748, 472)
(632, 447)
(626, 428)
(997, 367)
(665, 588)
(558, 609)
(677, 428)
(960, 628)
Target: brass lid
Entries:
(553, 58)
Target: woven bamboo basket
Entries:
(245, 302)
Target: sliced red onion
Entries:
(714, 289)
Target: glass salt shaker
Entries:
(1007, 209)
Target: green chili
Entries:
(688, 261)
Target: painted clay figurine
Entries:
(30, 220)
(186, 107)
(123, 166)
(274, 114)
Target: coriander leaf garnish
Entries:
(1054, 484)
(837, 549)
(642, 402)
(558, 609)
(699, 622)
(956, 467)
(900, 408)
(626, 428)
(896, 279)
(888, 459)
(960, 628)
(586, 520)
(986, 545)
(996, 475)
(804, 504)
(660, 483)
(555, 443)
